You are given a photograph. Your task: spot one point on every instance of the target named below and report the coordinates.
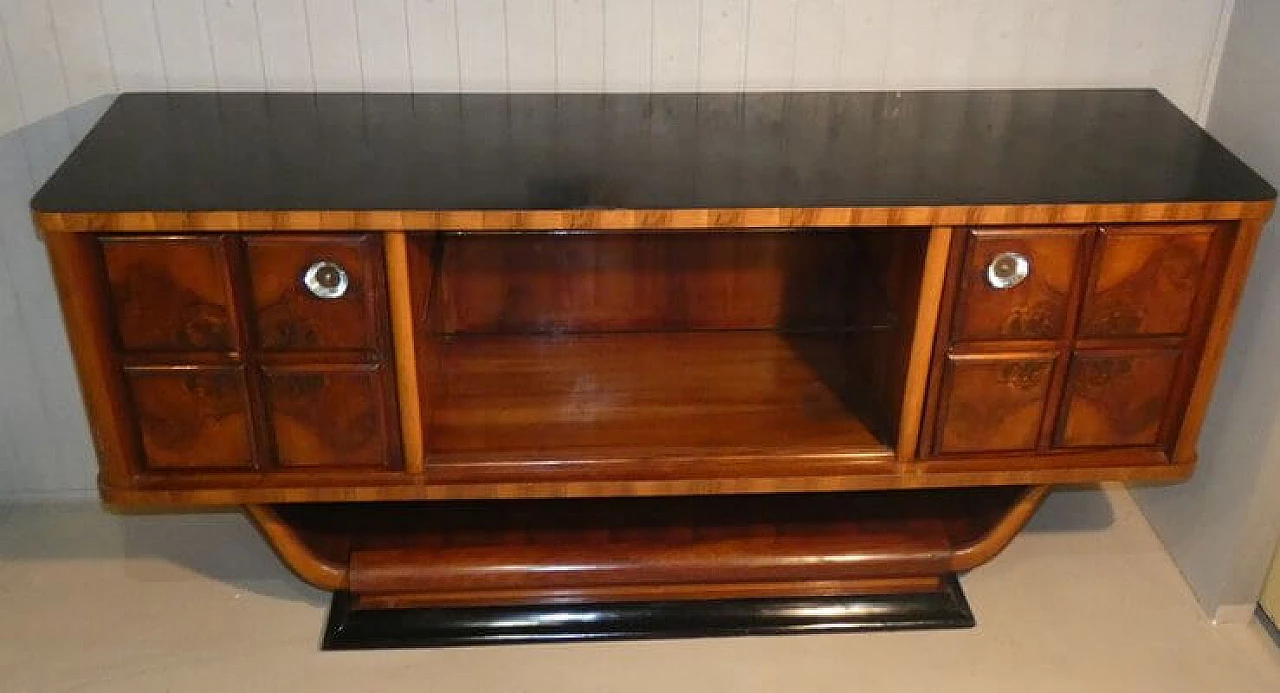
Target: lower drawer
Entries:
(992, 402)
(1118, 398)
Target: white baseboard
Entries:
(1232, 614)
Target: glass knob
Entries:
(325, 279)
(1008, 270)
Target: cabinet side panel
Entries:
(80, 279)
(1243, 244)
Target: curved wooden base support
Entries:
(1004, 527)
(317, 558)
(586, 553)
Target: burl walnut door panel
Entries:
(316, 293)
(1118, 398)
(1036, 307)
(191, 418)
(170, 294)
(992, 403)
(1145, 280)
(331, 416)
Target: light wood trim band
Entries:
(994, 541)
(701, 591)
(400, 297)
(658, 219)
(294, 552)
(935, 275)
(414, 491)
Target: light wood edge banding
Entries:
(400, 296)
(294, 552)
(998, 537)
(591, 489)
(1219, 331)
(655, 219)
(678, 592)
(921, 356)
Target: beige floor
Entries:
(1085, 600)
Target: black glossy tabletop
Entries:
(240, 151)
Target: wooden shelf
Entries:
(528, 400)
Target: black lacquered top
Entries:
(241, 151)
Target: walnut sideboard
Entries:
(496, 368)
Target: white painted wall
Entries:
(57, 56)
(1221, 526)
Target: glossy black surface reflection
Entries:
(236, 151)
(356, 629)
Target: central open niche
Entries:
(661, 355)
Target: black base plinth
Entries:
(356, 629)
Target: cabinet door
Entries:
(1117, 397)
(317, 293)
(993, 403)
(994, 303)
(1145, 281)
(331, 416)
(191, 417)
(170, 294)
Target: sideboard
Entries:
(500, 368)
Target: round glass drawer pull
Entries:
(1008, 270)
(325, 279)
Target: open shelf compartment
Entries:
(674, 355)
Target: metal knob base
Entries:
(325, 279)
(1008, 270)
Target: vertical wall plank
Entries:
(335, 49)
(56, 444)
(82, 42)
(999, 32)
(134, 44)
(771, 45)
(284, 34)
(11, 117)
(183, 32)
(384, 44)
(818, 43)
(1180, 55)
(16, 363)
(913, 44)
(676, 45)
(1089, 40)
(237, 44)
(33, 48)
(724, 45)
(864, 48)
(482, 45)
(433, 45)
(628, 45)
(580, 45)
(531, 45)
(1044, 61)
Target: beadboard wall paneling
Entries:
(72, 50)
(60, 60)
